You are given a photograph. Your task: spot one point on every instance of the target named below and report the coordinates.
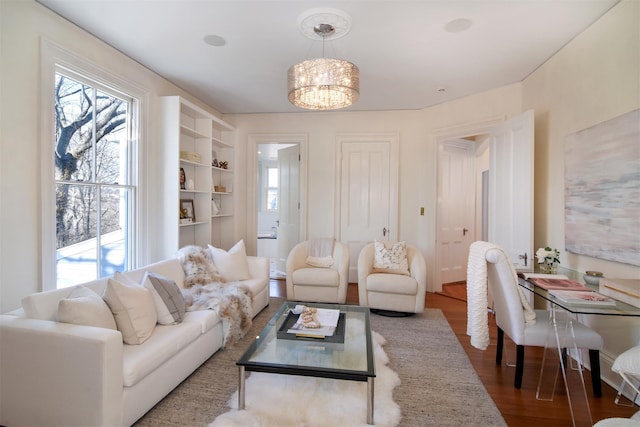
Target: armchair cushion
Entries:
(316, 276)
(390, 258)
(397, 284)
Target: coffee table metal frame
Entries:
(254, 360)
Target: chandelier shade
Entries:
(323, 84)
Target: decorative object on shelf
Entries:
(324, 83)
(219, 188)
(191, 156)
(183, 179)
(187, 211)
(214, 159)
(223, 165)
(190, 184)
(592, 277)
(548, 259)
(215, 210)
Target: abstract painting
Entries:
(602, 190)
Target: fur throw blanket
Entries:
(205, 289)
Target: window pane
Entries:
(272, 177)
(272, 199)
(113, 231)
(74, 130)
(111, 139)
(76, 255)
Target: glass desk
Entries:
(352, 359)
(561, 315)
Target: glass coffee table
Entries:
(346, 356)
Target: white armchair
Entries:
(392, 292)
(317, 284)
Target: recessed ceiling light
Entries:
(458, 25)
(214, 40)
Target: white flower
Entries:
(548, 255)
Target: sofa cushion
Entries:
(207, 319)
(232, 265)
(392, 283)
(85, 307)
(44, 305)
(316, 277)
(167, 297)
(133, 310)
(138, 361)
(390, 258)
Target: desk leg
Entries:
(240, 388)
(370, 382)
(560, 335)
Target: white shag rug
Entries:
(284, 400)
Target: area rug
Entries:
(284, 400)
(438, 385)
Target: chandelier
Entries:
(323, 83)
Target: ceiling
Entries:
(411, 54)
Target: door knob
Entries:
(384, 231)
(465, 231)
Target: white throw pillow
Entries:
(232, 265)
(167, 297)
(133, 308)
(390, 258)
(85, 307)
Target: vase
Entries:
(549, 267)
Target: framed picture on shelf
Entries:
(187, 211)
(183, 179)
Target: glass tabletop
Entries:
(351, 359)
(620, 309)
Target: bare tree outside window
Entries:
(93, 182)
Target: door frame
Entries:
(442, 135)
(253, 140)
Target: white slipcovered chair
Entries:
(488, 263)
(312, 283)
(386, 291)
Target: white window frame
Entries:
(54, 57)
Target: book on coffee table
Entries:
(586, 298)
(328, 319)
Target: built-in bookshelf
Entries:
(198, 176)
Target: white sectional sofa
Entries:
(64, 374)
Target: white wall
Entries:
(596, 77)
(418, 133)
(22, 25)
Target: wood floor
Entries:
(518, 407)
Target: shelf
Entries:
(192, 163)
(192, 132)
(221, 169)
(221, 215)
(192, 223)
(195, 191)
(220, 143)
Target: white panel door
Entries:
(288, 202)
(511, 188)
(456, 207)
(368, 194)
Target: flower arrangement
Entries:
(548, 259)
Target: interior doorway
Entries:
(277, 203)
